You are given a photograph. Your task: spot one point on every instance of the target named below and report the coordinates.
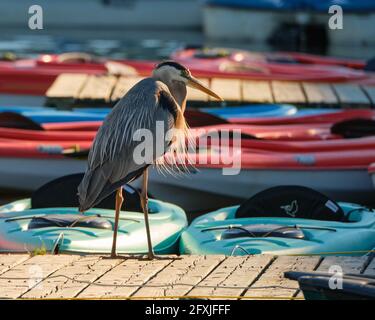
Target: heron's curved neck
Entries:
(179, 92)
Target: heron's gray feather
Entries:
(111, 159)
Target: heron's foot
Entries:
(115, 256)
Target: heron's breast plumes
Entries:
(181, 142)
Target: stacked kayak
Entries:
(285, 220)
(232, 63)
(35, 76)
(228, 178)
(266, 114)
(50, 221)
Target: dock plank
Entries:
(273, 284)
(347, 264)
(287, 92)
(8, 261)
(197, 95)
(67, 85)
(370, 269)
(28, 275)
(70, 280)
(179, 277)
(98, 88)
(231, 276)
(228, 89)
(257, 91)
(125, 279)
(123, 85)
(351, 94)
(319, 93)
(370, 91)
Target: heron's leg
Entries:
(119, 201)
(144, 203)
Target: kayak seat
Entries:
(69, 220)
(291, 202)
(263, 231)
(62, 192)
(15, 120)
(354, 128)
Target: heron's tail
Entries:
(90, 188)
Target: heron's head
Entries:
(171, 72)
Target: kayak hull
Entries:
(356, 237)
(28, 174)
(166, 223)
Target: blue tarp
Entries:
(295, 5)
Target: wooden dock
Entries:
(173, 277)
(82, 89)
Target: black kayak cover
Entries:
(291, 202)
(62, 192)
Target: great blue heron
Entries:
(111, 164)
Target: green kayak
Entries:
(27, 225)
(285, 220)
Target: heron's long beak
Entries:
(194, 83)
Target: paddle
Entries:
(18, 121)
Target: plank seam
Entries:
(204, 278)
(261, 273)
(315, 268)
(89, 283)
(48, 275)
(372, 103)
(149, 279)
(15, 265)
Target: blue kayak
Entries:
(295, 5)
(253, 111)
(266, 110)
(48, 115)
(287, 220)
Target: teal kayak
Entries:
(64, 230)
(280, 221)
(50, 221)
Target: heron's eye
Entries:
(185, 73)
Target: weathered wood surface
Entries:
(317, 93)
(67, 85)
(172, 277)
(76, 88)
(289, 92)
(257, 91)
(349, 94)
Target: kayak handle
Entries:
(237, 246)
(55, 248)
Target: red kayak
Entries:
(35, 76)
(281, 132)
(39, 149)
(245, 65)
